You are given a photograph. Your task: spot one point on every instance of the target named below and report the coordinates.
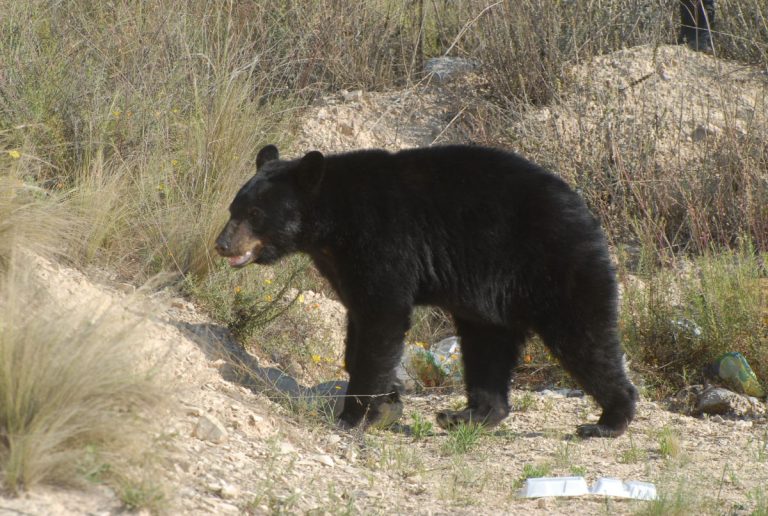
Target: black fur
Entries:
(504, 246)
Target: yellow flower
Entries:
(116, 113)
(174, 162)
(301, 298)
(267, 298)
(422, 345)
(237, 290)
(14, 154)
(316, 359)
(267, 281)
(337, 387)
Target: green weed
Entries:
(533, 471)
(420, 427)
(669, 443)
(462, 439)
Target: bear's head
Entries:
(266, 215)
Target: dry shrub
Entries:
(526, 46)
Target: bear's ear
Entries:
(266, 154)
(310, 172)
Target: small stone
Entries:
(294, 369)
(228, 491)
(333, 439)
(701, 132)
(228, 508)
(210, 429)
(192, 411)
(178, 303)
(350, 454)
(351, 96)
(285, 448)
(325, 460)
(346, 129)
(663, 73)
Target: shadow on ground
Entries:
(242, 368)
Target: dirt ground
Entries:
(236, 449)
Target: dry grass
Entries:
(73, 394)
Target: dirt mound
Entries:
(684, 99)
(415, 117)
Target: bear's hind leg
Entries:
(594, 359)
(489, 354)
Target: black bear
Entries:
(504, 246)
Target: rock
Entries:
(325, 460)
(444, 69)
(182, 304)
(686, 399)
(716, 400)
(352, 96)
(228, 491)
(704, 131)
(294, 369)
(210, 429)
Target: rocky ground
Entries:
(235, 447)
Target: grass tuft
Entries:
(75, 402)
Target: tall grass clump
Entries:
(149, 114)
(73, 391)
(675, 323)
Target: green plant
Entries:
(578, 471)
(678, 503)
(425, 369)
(462, 438)
(563, 455)
(759, 498)
(534, 471)
(142, 493)
(760, 442)
(525, 402)
(462, 482)
(247, 300)
(633, 454)
(671, 326)
(669, 443)
(420, 427)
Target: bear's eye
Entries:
(255, 213)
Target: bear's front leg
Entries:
(374, 347)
